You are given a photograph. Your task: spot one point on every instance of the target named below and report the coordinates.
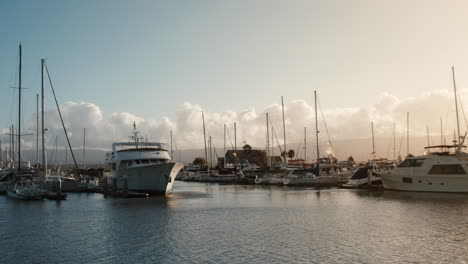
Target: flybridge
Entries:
(122, 146)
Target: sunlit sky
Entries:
(148, 57)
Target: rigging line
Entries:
(51, 154)
(61, 119)
(299, 151)
(230, 140)
(325, 124)
(299, 148)
(274, 133)
(389, 145)
(214, 148)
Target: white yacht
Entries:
(140, 167)
(442, 171)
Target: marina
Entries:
(233, 132)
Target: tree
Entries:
(199, 161)
(291, 154)
(351, 159)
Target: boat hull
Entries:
(308, 181)
(17, 195)
(425, 183)
(154, 179)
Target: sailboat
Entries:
(325, 173)
(24, 187)
(367, 175)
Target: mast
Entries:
(373, 141)
(11, 146)
(211, 152)
(172, 152)
(19, 108)
(224, 147)
(407, 134)
(305, 144)
(456, 103)
(272, 141)
(84, 147)
(316, 127)
(13, 152)
(284, 133)
(204, 139)
(268, 142)
(394, 141)
(44, 161)
(37, 129)
(235, 137)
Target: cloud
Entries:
(342, 124)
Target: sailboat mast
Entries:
(84, 147)
(316, 127)
(172, 152)
(19, 108)
(407, 134)
(456, 102)
(373, 141)
(44, 161)
(284, 133)
(37, 129)
(204, 139)
(268, 142)
(211, 152)
(235, 137)
(224, 146)
(394, 141)
(305, 144)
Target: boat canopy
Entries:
(122, 146)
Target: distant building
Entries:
(252, 156)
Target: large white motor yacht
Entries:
(441, 171)
(140, 167)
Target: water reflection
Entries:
(209, 223)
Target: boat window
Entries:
(412, 163)
(137, 161)
(447, 169)
(407, 180)
(145, 162)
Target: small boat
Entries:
(25, 189)
(368, 175)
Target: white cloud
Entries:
(343, 124)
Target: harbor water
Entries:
(211, 223)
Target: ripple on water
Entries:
(203, 223)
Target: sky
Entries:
(160, 63)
